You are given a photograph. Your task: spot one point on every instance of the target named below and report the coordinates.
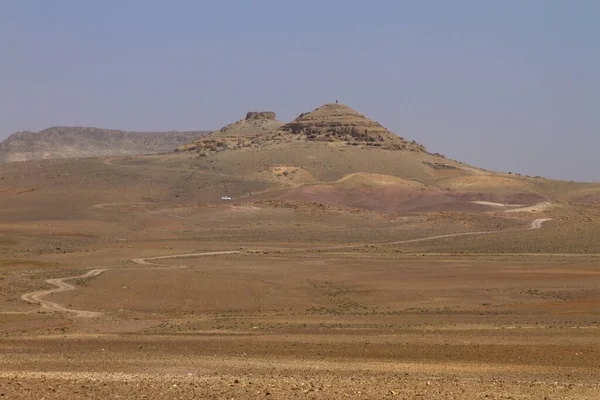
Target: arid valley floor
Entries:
(127, 277)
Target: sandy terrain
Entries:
(304, 324)
(127, 278)
(307, 320)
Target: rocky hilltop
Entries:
(255, 124)
(336, 122)
(261, 115)
(243, 133)
(72, 142)
(329, 123)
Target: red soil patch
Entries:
(397, 198)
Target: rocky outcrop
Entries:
(251, 131)
(439, 165)
(338, 122)
(261, 115)
(73, 142)
(329, 123)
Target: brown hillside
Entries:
(243, 133)
(313, 157)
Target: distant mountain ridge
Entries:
(73, 142)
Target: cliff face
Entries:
(261, 115)
(72, 142)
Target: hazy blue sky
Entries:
(505, 85)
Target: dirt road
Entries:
(537, 224)
(144, 261)
(36, 297)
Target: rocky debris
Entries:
(329, 123)
(74, 142)
(439, 165)
(250, 132)
(284, 385)
(339, 123)
(261, 115)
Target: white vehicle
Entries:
(225, 198)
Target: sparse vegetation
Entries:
(306, 278)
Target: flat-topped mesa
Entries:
(75, 141)
(336, 122)
(251, 115)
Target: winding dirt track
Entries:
(36, 297)
(106, 205)
(144, 261)
(537, 224)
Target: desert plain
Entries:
(335, 271)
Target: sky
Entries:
(509, 85)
